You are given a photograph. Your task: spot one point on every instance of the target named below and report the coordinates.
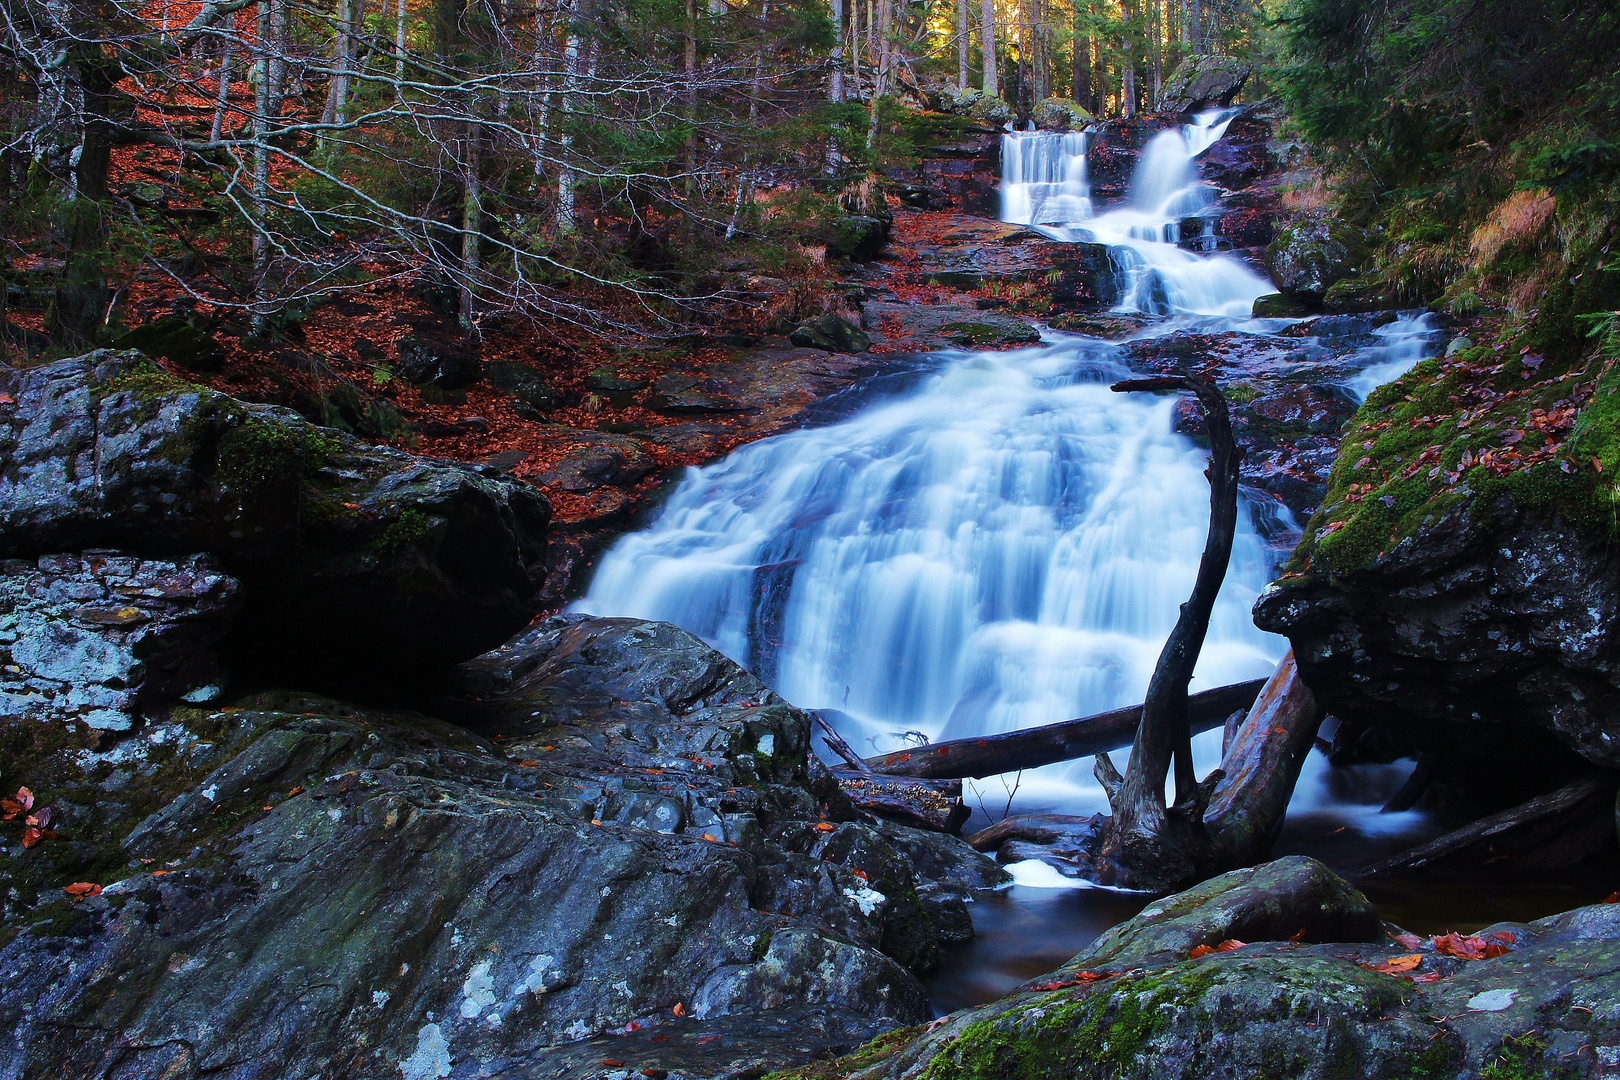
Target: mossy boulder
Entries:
(1363, 293)
(859, 239)
(832, 334)
(1278, 306)
(1204, 82)
(1273, 1007)
(358, 563)
(436, 363)
(177, 340)
(1061, 114)
(523, 382)
(990, 330)
(1455, 586)
(1310, 255)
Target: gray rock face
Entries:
(352, 556)
(100, 636)
(1312, 254)
(832, 334)
(1137, 1005)
(1204, 82)
(1471, 636)
(336, 892)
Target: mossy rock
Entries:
(982, 333)
(1278, 306)
(1310, 255)
(178, 341)
(523, 382)
(832, 334)
(1358, 295)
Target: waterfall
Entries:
(1005, 546)
(1044, 185)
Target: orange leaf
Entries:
(680, 1010)
(859, 873)
(1464, 948)
(82, 888)
(11, 808)
(822, 826)
(160, 873)
(1299, 935)
(1229, 944)
(711, 838)
(1200, 950)
(31, 836)
(1396, 965)
(297, 789)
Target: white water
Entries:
(1044, 184)
(1004, 546)
(1007, 546)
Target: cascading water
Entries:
(1044, 185)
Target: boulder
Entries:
(990, 330)
(831, 334)
(860, 239)
(103, 636)
(357, 562)
(177, 340)
(1313, 253)
(1278, 306)
(1360, 294)
(1164, 996)
(294, 885)
(1204, 82)
(1061, 113)
(523, 382)
(597, 460)
(445, 366)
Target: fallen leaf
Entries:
(41, 818)
(26, 798)
(160, 873)
(859, 873)
(679, 1010)
(1200, 950)
(297, 789)
(1464, 948)
(1299, 935)
(31, 836)
(596, 821)
(1229, 944)
(10, 809)
(1612, 898)
(1410, 941)
(1397, 965)
(7, 399)
(822, 826)
(81, 889)
(610, 1063)
(711, 838)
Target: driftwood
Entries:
(1146, 844)
(1553, 830)
(1416, 784)
(990, 755)
(925, 804)
(1261, 767)
(829, 734)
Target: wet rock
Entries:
(103, 636)
(638, 850)
(695, 438)
(832, 334)
(356, 561)
(1138, 1004)
(990, 330)
(427, 362)
(1203, 82)
(1103, 326)
(598, 460)
(1313, 253)
(1486, 629)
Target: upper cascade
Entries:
(1045, 185)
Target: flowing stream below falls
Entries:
(1005, 543)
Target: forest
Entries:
(809, 539)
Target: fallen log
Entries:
(1259, 770)
(989, 755)
(829, 735)
(1560, 816)
(923, 803)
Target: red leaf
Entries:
(1200, 950)
(680, 1009)
(1229, 944)
(31, 836)
(1299, 935)
(26, 798)
(1408, 941)
(11, 808)
(80, 889)
(1612, 898)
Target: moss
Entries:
(148, 383)
(258, 453)
(862, 1057)
(1525, 1058)
(410, 528)
(1434, 419)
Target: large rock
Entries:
(357, 561)
(294, 887)
(1204, 82)
(1139, 1004)
(1312, 254)
(100, 637)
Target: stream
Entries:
(1005, 543)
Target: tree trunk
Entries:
(962, 44)
(987, 32)
(1030, 748)
(1146, 842)
(222, 97)
(1080, 76)
(472, 223)
(880, 83)
(565, 141)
